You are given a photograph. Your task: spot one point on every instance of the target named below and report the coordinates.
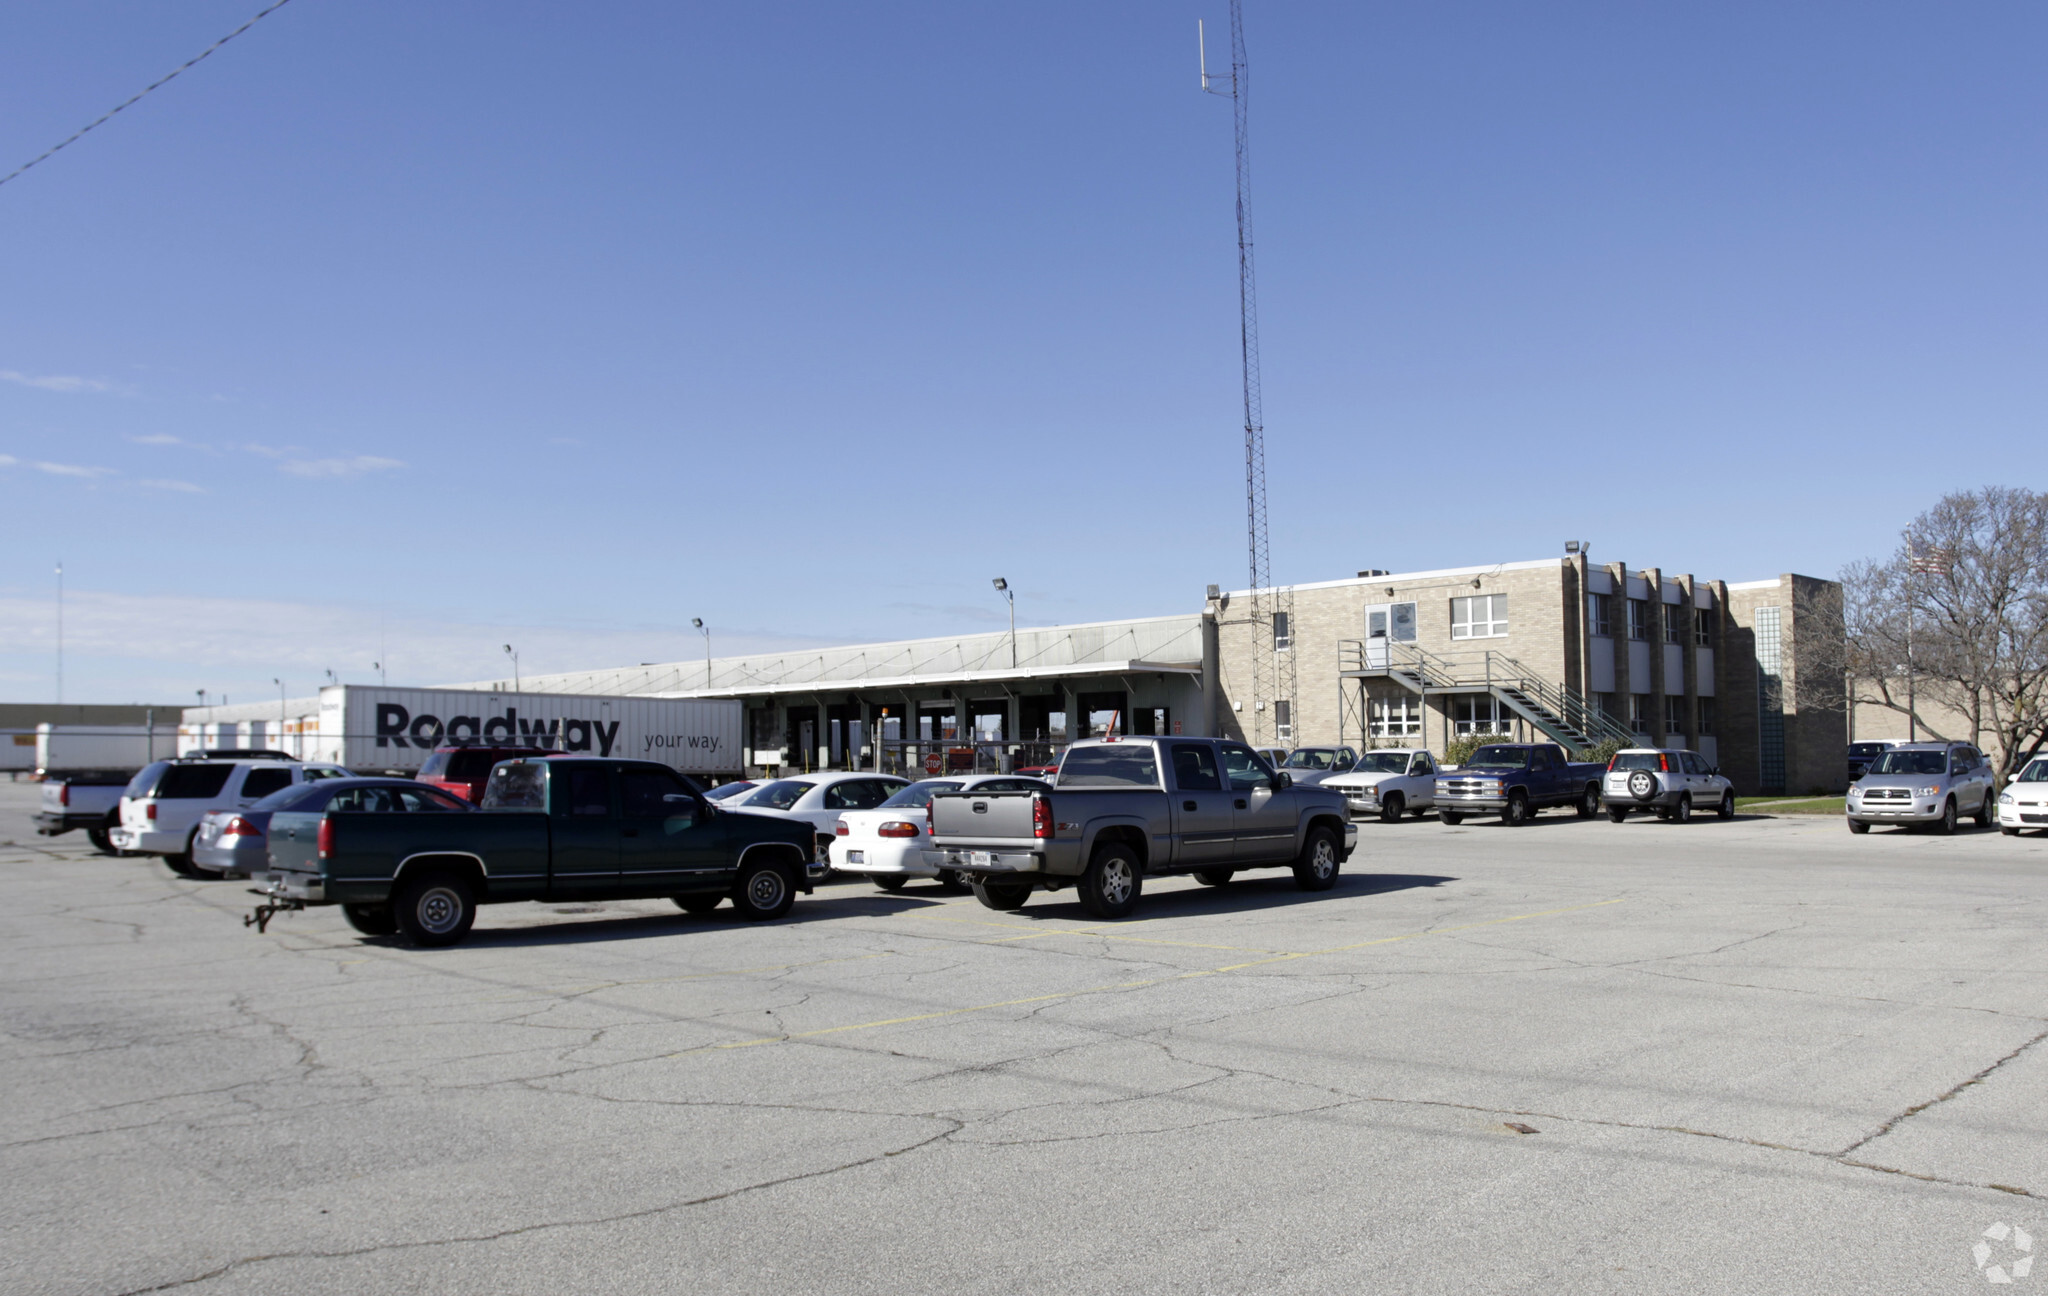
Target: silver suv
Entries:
(1923, 783)
(1672, 781)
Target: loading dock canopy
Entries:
(1020, 675)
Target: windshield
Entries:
(519, 786)
(733, 789)
(145, 779)
(919, 795)
(779, 795)
(1312, 758)
(1911, 762)
(2035, 772)
(1382, 763)
(1499, 758)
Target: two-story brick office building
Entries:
(1560, 648)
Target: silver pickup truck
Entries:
(1122, 809)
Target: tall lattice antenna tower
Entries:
(1272, 610)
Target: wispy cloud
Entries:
(166, 484)
(159, 438)
(8, 461)
(72, 470)
(350, 466)
(68, 384)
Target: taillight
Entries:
(1663, 763)
(1612, 761)
(897, 828)
(149, 810)
(1041, 815)
(240, 827)
(326, 843)
(929, 831)
(64, 794)
(840, 829)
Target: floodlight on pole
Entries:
(701, 628)
(1003, 588)
(515, 667)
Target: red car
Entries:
(462, 771)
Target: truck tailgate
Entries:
(982, 819)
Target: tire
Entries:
(371, 920)
(2010, 832)
(1682, 812)
(1110, 885)
(1516, 812)
(101, 842)
(1000, 895)
(1946, 825)
(1214, 877)
(1616, 814)
(1727, 806)
(1642, 785)
(762, 891)
(1390, 809)
(181, 864)
(1987, 812)
(1451, 817)
(1589, 803)
(435, 908)
(951, 882)
(702, 902)
(890, 881)
(1321, 856)
(1858, 828)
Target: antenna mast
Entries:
(1271, 610)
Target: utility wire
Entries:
(109, 114)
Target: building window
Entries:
(1600, 614)
(1706, 716)
(1396, 717)
(1770, 700)
(1479, 713)
(1638, 714)
(1283, 721)
(1604, 703)
(1674, 718)
(1482, 616)
(1639, 618)
(1703, 627)
(1674, 623)
(1283, 632)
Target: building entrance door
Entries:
(1387, 624)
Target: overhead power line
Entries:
(107, 116)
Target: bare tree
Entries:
(1956, 622)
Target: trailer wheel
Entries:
(371, 920)
(1000, 895)
(435, 908)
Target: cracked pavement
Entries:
(1757, 1056)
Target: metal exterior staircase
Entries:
(1563, 716)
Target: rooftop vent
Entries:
(1375, 571)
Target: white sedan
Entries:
(887, 843)
(1389, 782)
(2024, 803)
(818, 799)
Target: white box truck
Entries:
(369, 727)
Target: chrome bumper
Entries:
(977, 861)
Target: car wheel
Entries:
(1987, 813)
(1321, 856)
(1517, 812)
(1858, 827)
(951, 881)
(1682, 812)
(371, 920)
(1390, 809)
(1110, 885)
(1214, 877)
(1949, 818)
(1615, 814)
(181, 864)
(101, 842)
(1727, 810)
(1001, 895)
(702, 902)
(2010, 832)
(891, 881)
(1451, 817)
(762, 891)
(435, 908)
(1589, 804)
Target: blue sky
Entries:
(457, 324)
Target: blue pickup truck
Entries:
(1514, 781)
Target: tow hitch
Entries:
(273, 905)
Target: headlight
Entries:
(1930, 791)
(2005, 798)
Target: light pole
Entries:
(1003, 588)
(379, 668)
(515, 667)
(60, 630)
(280, 713)
(702, 629)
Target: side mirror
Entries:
(1282, 781)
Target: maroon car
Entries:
(462, 771)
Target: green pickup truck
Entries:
(549, 828)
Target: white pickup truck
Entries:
(88, 799)
(1389, 782)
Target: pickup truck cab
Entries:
(550, 828)
(1123, 809)
(1388, 782)
(88, 799)
(1515, 780)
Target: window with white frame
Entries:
(1396, 717)
(1674, 717)
(1481, 616)
(1476, 713)
(1639, 618)
(1283, 632)
(1600, 614)
(1283, 721)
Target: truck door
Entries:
(585, 830)
(1204, 826)
(668, 840)
(1264, 817)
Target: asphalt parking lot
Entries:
(1758, 1056)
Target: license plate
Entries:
(856, 857)
(981, 859)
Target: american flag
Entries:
(1931, 560)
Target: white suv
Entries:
(1671, 781)
(162, 805)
